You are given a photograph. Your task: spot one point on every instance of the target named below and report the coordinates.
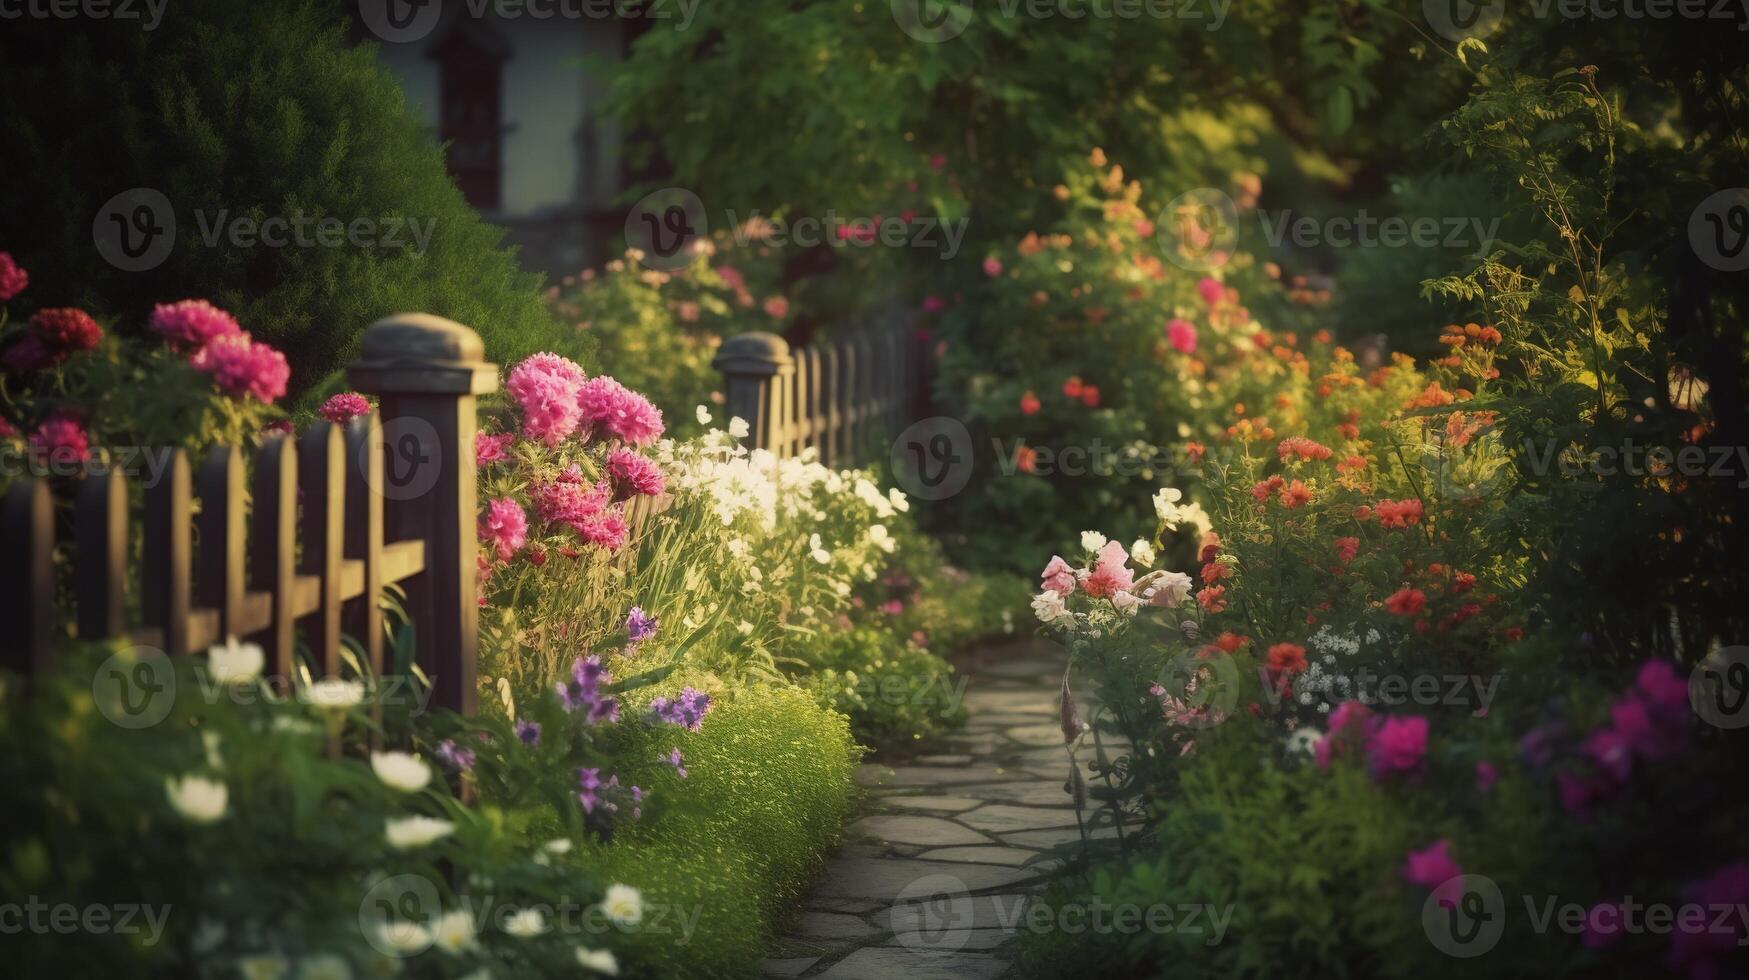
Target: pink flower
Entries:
(1486, 776)
(490, 448)
(732, 276)
(992, 267)
(191, 324)
(505, 527)
(344, 407)
(933, 304)
(1434, 869)
(244, 368)
(60, 441)
(937, 161)
(1603, 925)
(1211, 290)
(1578, 793)
(66, 330)
(1181, 335)
(609, 406)
(1349, 723)
(7, 429)
(776, 307)
(1610, 752)
(545, 387)
(1708, 952)
(1398, 744)
(607, 529)
(1111, 573)
(1058, 576)
(569, 502)
(633, 474)
(12, 278)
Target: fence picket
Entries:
(27, 583)
(220, 583)
(362, 615)
(273, 546)
(167, 557)
(100, 559)
(322, 480)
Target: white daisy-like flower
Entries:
(235, 663)
(401, 771)
(738, 428)
(1304, 741)
(525, 923)
(600, 960)
(453, 932)
(332, 694)
(900, 502)
(623, 904)
(1142, 552)
(703, 414)
(197, 798)
(880, 538)
(1092, 541)
(408, 833)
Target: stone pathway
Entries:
(933, 881)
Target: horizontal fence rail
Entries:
(837, 395)
(298, 540)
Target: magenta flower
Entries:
(545, 387)
(244, 368)
(607, 529)
(1350, 723)
(190, 325)
(992, 267)
(1610, 752)
(1058, 576)
(1398, 744)
(611, 408)
(1708, 952)
(1486, 776)
(505, 527)
(1434, 869)
(568, 502)
(344, 407)
(633, 475)
(588, 781)
(12, 278)
(1181, 335)
(490, 448)
(60, 441)
(1211, 290)
(1603, 925)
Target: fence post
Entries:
(426, 372)
(748, 363)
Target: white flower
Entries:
(1125, 603)
(1164, 588)
(599, 960)
(738, 428)
(558, 845)
(738, 547)
(263, 966)
(197, 798)
(407, 833)
(1164, 500)
(1092, 541)
(401, 938)
(881, 539)
(1048, 606)
(744, 628)
(324, 966)
(820, 554)
(1142, 552)
(332, 694)
(900, 502)
(400, 770)
(703, 414)
(526, 924)
(481, 974)
(453, 932)
(1304, 740)
(623, 904)
(234, 662)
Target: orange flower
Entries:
(1295, 494)
(1090, 396)
(1406, 601)
(1072, 387)
(1287, 659)
(1195, 451)
(1231, 642)
(1029, 404)
(1347, 548)
(1210, 599)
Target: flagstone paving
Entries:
(934, 878)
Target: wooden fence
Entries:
(838, 395)
(302, 546)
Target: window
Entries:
(470, 91)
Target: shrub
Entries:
(893, 691)
(253, 111)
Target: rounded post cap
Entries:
(756, 353)
(419, 352)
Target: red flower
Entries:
(1090, 396)
(1295, 494)
(1072, 387)
(1231, 642)
(66, 330)
(1210, 598)
(1287, 659)
(1026, 459)
(1195, 451)
(12, 278)
(1347, 548)
(1406, 601)
(1399, 513)
(1301, 447)
(1029, 404)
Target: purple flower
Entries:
(454, 757)
(583, 691)
(675, 760)
(1537, 745)
(528, 732)
(588, 781)
(637, 803)
(688, 709)
(640, 625)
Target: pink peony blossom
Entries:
(607, 529)
(490, 448)
(1398, 744)
(732, 277)
(545, 387)
(66, 330)
(1058, 576)
(59, 442)
(611, 408)
(633, 475)
(1111, 573)
(190, 325)
(244, 368)
(344, 407)
(1181, 335)
(12, 278)
(504, 527)
(568, 502)
(1434, 869)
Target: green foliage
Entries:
(249, 111)
(892, 691)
